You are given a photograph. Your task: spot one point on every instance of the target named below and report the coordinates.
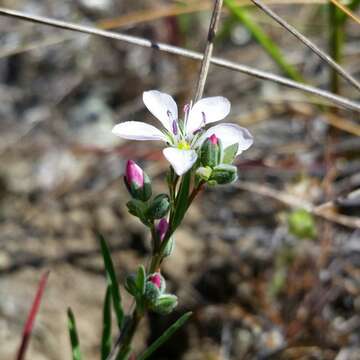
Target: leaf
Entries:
(165, 336)
(263, 39)
(106, 341)
(112, 281)
(141, 279)
(29, 324)
(181, 202)
(74, 338)
(230, 153)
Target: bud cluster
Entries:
(138, 184)
(216, 162)
(149, 292)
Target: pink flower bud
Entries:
(213, 138)
(134, 174)
(156, 280)
(162, 228)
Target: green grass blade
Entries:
(165, 336)
(106, 341)
(74, 338)
(112, 282)
(260, 36)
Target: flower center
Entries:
(183, 145)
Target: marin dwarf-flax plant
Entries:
(198, 155)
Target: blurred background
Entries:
(265, 279)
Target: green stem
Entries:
(129, 334)
(336, 39)
(156, 259)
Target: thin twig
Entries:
(326, 211)
(339, 100)
(214, 23)
(341, 71)
(346, 10)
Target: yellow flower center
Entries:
(183, 145)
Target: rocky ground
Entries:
(257, 290)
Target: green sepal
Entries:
(230, 153)
(135, 284)
(210, 154)
(152, 293)
(165, 304)
(224, 174)
(159, 207)
(138, 208)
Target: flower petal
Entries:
(180, 160)
(229, 134)
(162, 106)
(206, 111)
(136, 130)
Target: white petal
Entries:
(180, 160)
(206, 111)
(162, 106)
(229, 134)
(136, 130)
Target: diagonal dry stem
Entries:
(335, 99)
(205, 65)
(340, 70)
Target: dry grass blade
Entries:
(308, 43)
(205, 65)
(347, 11)
(335, 99)
(326, 211)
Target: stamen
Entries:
(174, 127)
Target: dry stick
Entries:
(308, 43)
(214, 23)
(339, 100)
(325, 211)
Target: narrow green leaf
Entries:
(106, 341)
(165, 336)
(141, 279)
(112, 281)
(182, 199)
(74, 338)
(263, 39)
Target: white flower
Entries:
(184, 137)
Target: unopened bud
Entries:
(162, 228)
(155, 286)
(159, 207)
(137, 182)
(224, 174)
(210, 153)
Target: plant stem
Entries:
(336, 37)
